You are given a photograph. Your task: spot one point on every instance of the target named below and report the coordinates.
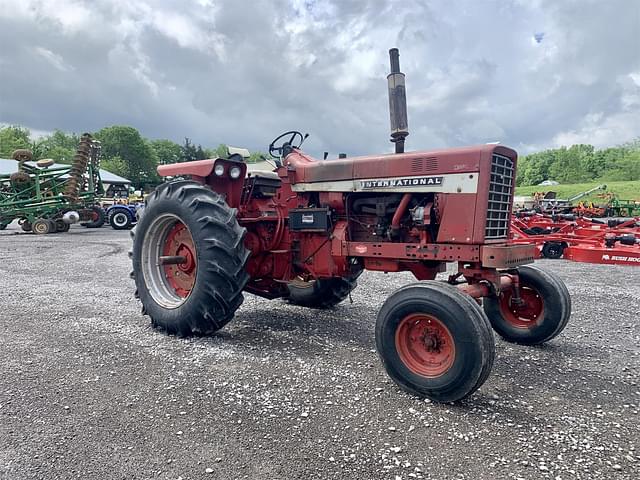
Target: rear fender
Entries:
(203, 171)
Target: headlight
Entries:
(219, 170)
(235, 172)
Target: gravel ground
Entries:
(89, 390)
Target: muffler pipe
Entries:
(397, 102)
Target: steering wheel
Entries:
(277, 151)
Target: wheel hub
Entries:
(425, 345)
(523, 314)
(181, 276)
(431, 340)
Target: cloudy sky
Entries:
(528, 73)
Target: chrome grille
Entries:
(500, 194)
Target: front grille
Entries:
(500, 194)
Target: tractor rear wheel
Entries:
(189, 259)
(435, 341)
(321, 293)
(97, 218)
(543, 315)
(120, 219)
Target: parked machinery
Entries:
(122, 216)
(46, 198)
(593, 240)
(306, 231)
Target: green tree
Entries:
(136, 153)
(13, 138)
(166, 151)
(581, 163)
(221, 151)
(189, 151)
(59, 146)
(115, 165)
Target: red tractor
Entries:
(306, 232)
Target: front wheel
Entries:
(189, 259)
(543, 313)
(435, 341)
(120, 219)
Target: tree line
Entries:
(125, 151)
(580, 163)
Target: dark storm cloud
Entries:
(240, 72)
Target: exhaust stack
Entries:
(397, 102)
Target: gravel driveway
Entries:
(89, 390)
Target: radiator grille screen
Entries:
(500, 193)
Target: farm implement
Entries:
(609, 206)
(46, 198)
(306, 231)
(580, 239)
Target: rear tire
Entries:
(321, 293)
(435, 341)
(98, 218)
(200, 295)
(545, 314)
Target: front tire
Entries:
(435, 341)
(544, 314)
(120, 219)
(200, 294)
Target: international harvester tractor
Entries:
(307, 230)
